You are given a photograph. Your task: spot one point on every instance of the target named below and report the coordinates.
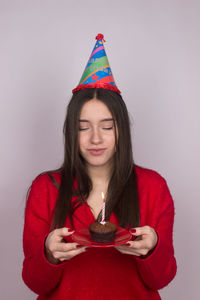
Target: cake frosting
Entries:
(103, 232)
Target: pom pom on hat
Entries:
(97, 73)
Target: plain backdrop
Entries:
(153, 48)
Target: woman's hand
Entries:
(57, 250)
(145, 242)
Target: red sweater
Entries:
(99, 273)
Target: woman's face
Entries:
(96, 134)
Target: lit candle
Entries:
(103, 209)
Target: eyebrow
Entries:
(104, 120)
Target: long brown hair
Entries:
(122, 196)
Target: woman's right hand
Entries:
(57, 250)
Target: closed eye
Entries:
(108, 128)
(83, 125)
(82, 129)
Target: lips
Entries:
(96, 151)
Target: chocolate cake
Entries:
(103, 233)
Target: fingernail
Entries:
(132, 230)
(70, 230)
(128, 244)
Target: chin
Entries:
(98, 163)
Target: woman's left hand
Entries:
(145, 241)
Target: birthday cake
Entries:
(103, 233)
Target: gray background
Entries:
(153, 49)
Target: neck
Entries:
(100, 174)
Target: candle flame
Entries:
(102, 195)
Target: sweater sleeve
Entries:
(159, 268)
(38, 273)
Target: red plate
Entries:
(83, 237)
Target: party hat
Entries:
(97, 73)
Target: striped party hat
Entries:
(97, 73)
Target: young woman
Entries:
(98, 158)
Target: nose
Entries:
(96, 137)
